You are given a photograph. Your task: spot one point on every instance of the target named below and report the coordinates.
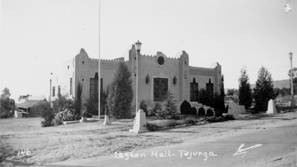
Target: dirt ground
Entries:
(91, 139)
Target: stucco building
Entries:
(157, 74)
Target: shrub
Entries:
(152, 127)
(229, 117)
(92, 104)
(201, 112)
(143, 106)
(209, 113)
(160, 124)
(190, 121)
(66, 115)
(58, 120)
(46, 113)
(170, 106)
(147, 106)
(193, 111)
(221, 118)
(158, 111)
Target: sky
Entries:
(38, 35)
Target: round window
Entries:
(161, 60)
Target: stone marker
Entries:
(83, 119)
(106, 120)
(139, 122)
(271, 109)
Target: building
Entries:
(157, 74)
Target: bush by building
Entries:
(47, 114)
(66, 115)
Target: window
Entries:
(160, 89)
(194, 90)
(94, 86)
(70, 86)
(54, 91)
(209, 88)
(161, 60)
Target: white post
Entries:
(136, 96)
(99, 71)
(291, 73)
(138, 48)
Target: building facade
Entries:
(157, 75)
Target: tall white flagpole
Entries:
(99, 61)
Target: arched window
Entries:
(209, 88)
(194, 90)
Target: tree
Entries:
(121, 93)
(263, 91)
(92, 104)
(232, 92)
(245, 92)
(5, 93)
(7, 105)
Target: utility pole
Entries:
(291, 80)
(291, 73)
(99, 61)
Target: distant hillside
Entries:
(279, 84)
(282, 84)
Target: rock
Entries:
(271, 109)
(139, 122)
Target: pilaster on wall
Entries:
(81, 65)
(184, 90)
(132, 67)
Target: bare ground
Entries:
(87, 140)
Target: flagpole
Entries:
(99, 61)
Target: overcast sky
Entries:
(37, 35)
